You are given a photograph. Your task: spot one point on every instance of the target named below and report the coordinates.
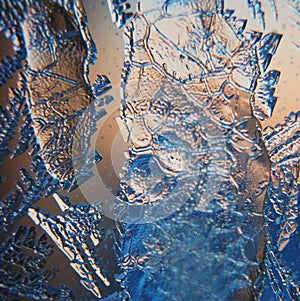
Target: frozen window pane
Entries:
(173, 175)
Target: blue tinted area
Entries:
(211, 200)
(23, 272)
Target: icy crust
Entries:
(282, 143)
(58, 50)
(190, 103)
(193, 85)
(24, 272)
(77, 232)
(58, 54)
(282, 211)
(50, 98)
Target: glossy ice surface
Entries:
(188, 81)
(207, 206)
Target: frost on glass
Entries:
(52, 93)
(56, 88)
(59, 50)
(74, 233)
(194, 81)
(190, 92)
(23, 272)
(282, 210)
(211, 197)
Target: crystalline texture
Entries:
(282, 143)
(256, 10)
(58, 53)
(59, 50)
(50, 97)
(29, 190)
(119, 11)
(9, 119)
(74, 233)
(193, 85)
(23, 272)
(9, 65)
(188, 83)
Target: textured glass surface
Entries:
(149, 150)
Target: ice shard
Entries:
(75, 233)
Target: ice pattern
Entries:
(212, 197)
(195, 83)
(31, 277)
(52, 93)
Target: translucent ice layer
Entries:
(212, 200)
(282, 209)
(59, 50)
(194, 85)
